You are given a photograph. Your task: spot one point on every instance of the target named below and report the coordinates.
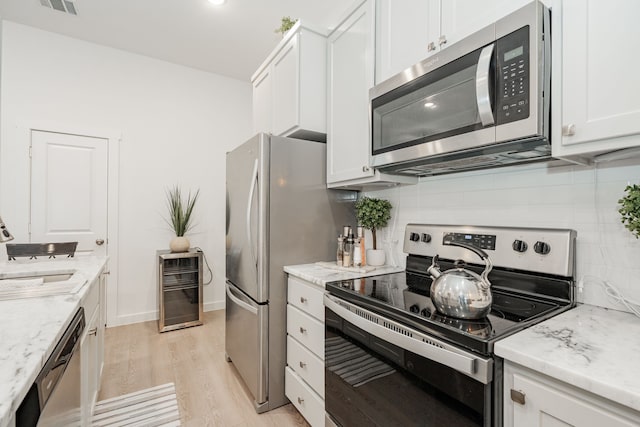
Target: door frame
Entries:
(22, 137)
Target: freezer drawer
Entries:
(246, 340)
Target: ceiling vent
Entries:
(61, 5)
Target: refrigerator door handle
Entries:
(253, 310)
(252, 190)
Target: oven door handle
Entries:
(459, 362)
(483, 97)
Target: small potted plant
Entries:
(180, 219)
(630, 209)
(373, 214)
(286, 24)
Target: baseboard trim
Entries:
(213, 306)
(128, 319)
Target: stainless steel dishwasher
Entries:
(54, 397)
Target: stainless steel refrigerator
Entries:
(279, 212)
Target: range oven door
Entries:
(381, 373)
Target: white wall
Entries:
(581, 198)
(176, 124)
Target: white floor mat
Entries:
(151, 407)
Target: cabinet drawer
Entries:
(306, 364)
(307, 330)
(306, 401)
(306, 297)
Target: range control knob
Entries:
(425, 312)
(414, 308)
(426, 238)
(542, 248)
(414, 237)
(519, 246)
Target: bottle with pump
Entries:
(347, 257)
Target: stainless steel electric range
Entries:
(392, 359)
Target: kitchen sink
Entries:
(29, 285)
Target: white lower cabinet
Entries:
(304, 398)
(304, 376)
(92, 347)
(532, 399)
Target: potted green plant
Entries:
(286, 24)
(630, 209)
(373, 214)
(180, 217)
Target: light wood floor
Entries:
(210, 391)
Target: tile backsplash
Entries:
(554, 195)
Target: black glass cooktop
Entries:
(390, 295)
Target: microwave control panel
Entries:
(512, 76)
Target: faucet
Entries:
(5, 236)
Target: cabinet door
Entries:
(547, 406)
(600, 83)
(404, 31)
(351, 74)
(286, 88)
(89, 365)
(262, 108)
(101, 326)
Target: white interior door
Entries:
(69, 190)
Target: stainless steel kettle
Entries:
(460, 292)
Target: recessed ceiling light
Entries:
(430, 105)
(217, 2)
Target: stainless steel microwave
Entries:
(482, 102)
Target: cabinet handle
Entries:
(93, 331)
(365, 168)
(517, 396)
(303, 300)
(442, 40)
(99, 242)
(431, 47)
(303, 330)
(300, 400)
(569, 130)
(302, 364)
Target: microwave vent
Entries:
(64, 6)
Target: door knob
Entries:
(99, 242)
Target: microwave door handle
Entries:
(483, 97)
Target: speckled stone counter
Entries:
(589, 347)
(320, 275)
(31, 327)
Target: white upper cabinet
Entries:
(351, 64)
(404, 29)
(289, 88)
(600, 86)
(350, 54)
(408, 31)
(262, 100)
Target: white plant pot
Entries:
(179, 244)
(375, 257)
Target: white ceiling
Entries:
(231, 40)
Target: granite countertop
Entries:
(320, 275)
(31, 327)
(589, 347)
